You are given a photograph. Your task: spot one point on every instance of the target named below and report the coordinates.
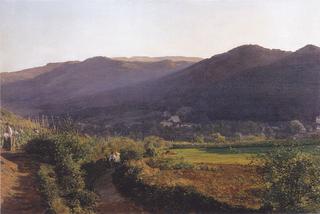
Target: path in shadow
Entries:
(18, 176)
(111, 201)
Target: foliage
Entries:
(218, 138)
(24, 129)
(296, 127)
(199, 139)
(121, 143)
(66, 152)
(153, 145)
(133, 153)
(50, 190)
(43, 146)
(292, 179)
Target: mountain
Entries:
(254, 83)
(156, 59)
(8, 77)
(199, 75)
(246, 83)
(33, 90)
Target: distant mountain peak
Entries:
(308, 49)
(247, 48)
(156, 59)
(98, 59)
(253, 49)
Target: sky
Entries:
(36, 32)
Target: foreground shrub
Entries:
(292, 179)
(66, 152)
(134, 152)
(43, 146)
(50, 190)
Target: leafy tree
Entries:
(292, 179)
(199, 139)
(218, 138)
(153, 145)
(296, 127)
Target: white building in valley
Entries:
(318, 122)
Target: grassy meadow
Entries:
(230, 155)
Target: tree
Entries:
(218, 138)
(153, 145)
(199, 139)
(292, 180)
(296, 127)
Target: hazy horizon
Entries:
(37, 32)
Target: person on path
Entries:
(8, 138)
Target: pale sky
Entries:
(35, 32)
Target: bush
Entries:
(50, 190)
(71, 177)
(292, 179)
(218, 138)
(43, 146)
(67, 152)
(296, 127)
(199, 139)
(131, 154)
(153, 145)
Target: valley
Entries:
(191, 135)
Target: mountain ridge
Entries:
(247, 82)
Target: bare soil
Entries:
(111, 201)
(19, 194)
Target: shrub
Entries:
(296, 127)
(70, 176)
(199, 139)
(50, 190)
(153, 145)
(43, 146)
(131, 154)
(292, 179)
(67, 152)
(218, 138)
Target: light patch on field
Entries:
(206, 156)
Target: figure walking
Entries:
(8, 138)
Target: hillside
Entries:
(246, 83)
(281, 86)
(156, 59)
(26, 74)
(71, 80)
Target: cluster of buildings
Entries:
(174, 121)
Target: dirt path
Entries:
(19, 193)
(111, 201)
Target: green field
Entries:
(230, 155)
(197, 155)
